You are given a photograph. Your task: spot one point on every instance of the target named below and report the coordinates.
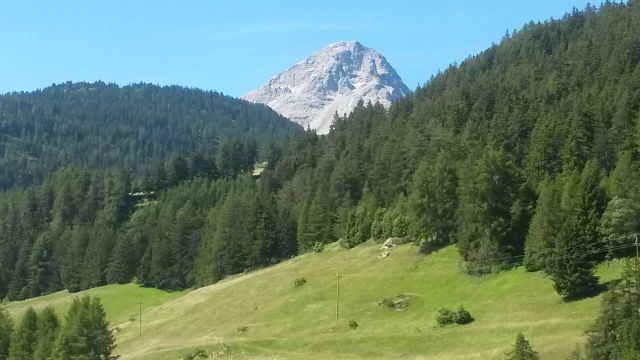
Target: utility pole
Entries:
(337, 293)
(140, 317)
(637, 244)
(637, 269)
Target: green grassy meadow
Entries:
(121, 302)
(284, 322)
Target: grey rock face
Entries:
(332, 80)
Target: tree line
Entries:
(98, 125)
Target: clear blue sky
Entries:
(234, 46)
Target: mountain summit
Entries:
(332, 80)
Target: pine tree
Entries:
(47, 334)
(619, 223)
(6, 333)
(162, 256)
(433, 202)
(43, 277)
(85, 334)
(227, 239)
(303, 237)
(590, 202)
(185, 237)
(315, 223)
(286, 225)
(74, 259)
(122, 265)
(178, 170)
(616, 332)
(544, 150)
(623, 182)
(488, 228)
(18, 285)
(522, 350)
(264, 250)
(360, 222)
(545, 225)
(570, 265)
(24, 339)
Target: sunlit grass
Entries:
(285, 322)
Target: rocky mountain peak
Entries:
(332, 80)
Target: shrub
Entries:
(196, 354)
(463, 317)
(299, 282)
(447, 317)
(353, 324)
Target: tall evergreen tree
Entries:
(590, 202)
(434, 201)
(42, 272)
(488, 231)
(544, 226)
(25, 337)
(619, 225)
(316, 222)
(264, 250)
(616, 332)
(623, 182)
(47, 334)
(86, 333)
(6, 333)
(570, 265)
(360, 222)
(178, 170)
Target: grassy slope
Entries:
(120, 301)
(288, 323)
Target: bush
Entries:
(353, 324)
(299, 282)
(463, 317)
(196, 354)
(447, 317)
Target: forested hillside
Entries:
(526, 152)
(97, 125)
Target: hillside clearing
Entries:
(281, 321)
(263, 315)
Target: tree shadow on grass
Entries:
(599, 289)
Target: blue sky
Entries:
(235, 46)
